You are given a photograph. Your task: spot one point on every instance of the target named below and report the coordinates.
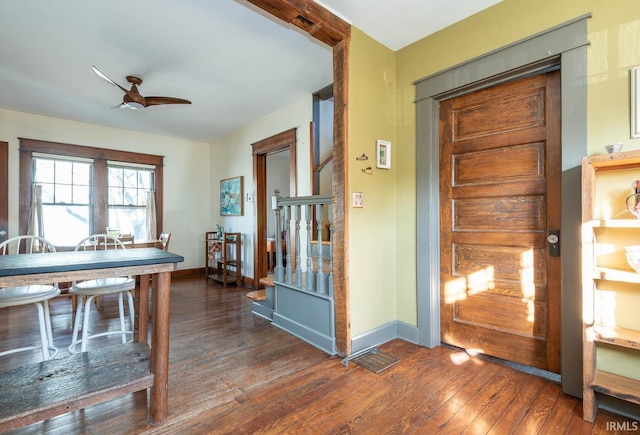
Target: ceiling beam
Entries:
(308, 16)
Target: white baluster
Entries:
(287, 231)
(330, 221)
(278, 271)
(309, 271)
(297, 239)
(320, 284)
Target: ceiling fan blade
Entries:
(155, 101)
(132, 98)
(107, 79)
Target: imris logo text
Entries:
(623, 426)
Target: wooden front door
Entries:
(500, 174)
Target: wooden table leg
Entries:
(141, 302)
(160, 348)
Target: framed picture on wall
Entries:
(383, 154)
(231, 197)
(635, 102)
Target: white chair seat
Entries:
(27, 294)
(94, 289)
(103, 286)
(37, 295)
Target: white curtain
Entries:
(36, 225)
(151, 216)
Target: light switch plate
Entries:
(358, 199)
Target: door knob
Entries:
(553, 237)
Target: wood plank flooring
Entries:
(234, 373)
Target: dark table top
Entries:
(27, 264)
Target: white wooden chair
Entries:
(37, 295)
(165, 238)
(87, 290)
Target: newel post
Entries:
(278, 271)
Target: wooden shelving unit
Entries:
(614, 272)
(223, 255)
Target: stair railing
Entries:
(310, 220)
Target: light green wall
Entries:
(614, 35)
(372, 243)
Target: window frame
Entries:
(99, 193)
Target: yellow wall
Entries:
(375, 279)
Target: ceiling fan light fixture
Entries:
(135, 106)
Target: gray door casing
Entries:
(563, 47)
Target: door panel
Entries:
(500, 171)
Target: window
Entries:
(128, 191)
(86, 189)
(66, 189)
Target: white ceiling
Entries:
(398, 23)
(231, 60)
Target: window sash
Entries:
(63, 181)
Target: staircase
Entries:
(299, 297)
(264, 300)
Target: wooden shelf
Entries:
(230, 277)
(226, 268)
(629, 338)
(615, 223)
(609, 274)
(595, 378)
(618, 386)
(615, 161)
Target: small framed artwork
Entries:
(383, 154)
(231, 197)
(635, 102)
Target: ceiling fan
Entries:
(132, 98)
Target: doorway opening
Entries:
(283, 143)
(322, 141)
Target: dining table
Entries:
(146, 243)
(153, 263)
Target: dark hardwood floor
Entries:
(234, 373)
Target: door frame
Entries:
(564, 46)
(284, 141)
(321, 24)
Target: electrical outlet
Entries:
(358, 199)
